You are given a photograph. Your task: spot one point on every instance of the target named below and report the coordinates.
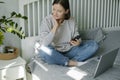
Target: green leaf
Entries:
(19, 15)
(16, 25)
(2, 2)
(9, 29)
(3, 30)
(20, 29)
(3, 17)
(22, 32)
(11, 23)
(13, 13)
(2, 21)
(13, 32)
(24, 17)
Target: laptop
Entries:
(106, 62)
(97, 66)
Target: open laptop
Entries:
(105, 62)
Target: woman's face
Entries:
(58, 11)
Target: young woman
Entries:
(57, 31)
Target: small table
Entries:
(13, 69)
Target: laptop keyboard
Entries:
(89, 67)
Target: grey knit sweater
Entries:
(59, 40)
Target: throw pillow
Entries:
(99, 35)
(96, 34)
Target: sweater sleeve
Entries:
(75, 30)
(46, 36)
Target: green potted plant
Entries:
(9, 25)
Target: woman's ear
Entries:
(66, 12)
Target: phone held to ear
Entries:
(77, 37)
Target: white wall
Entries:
(8, 6)
(6, 9)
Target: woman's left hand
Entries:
(75, 42)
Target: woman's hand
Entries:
(75, 42)
(56, 25)
(57, 22)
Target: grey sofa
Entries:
(106, 40)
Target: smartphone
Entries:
(77, 37)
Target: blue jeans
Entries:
(78, 53)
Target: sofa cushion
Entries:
(96, 34)
(99, 36)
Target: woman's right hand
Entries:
(56, 24)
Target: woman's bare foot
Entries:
(72, 63)
(75, 63)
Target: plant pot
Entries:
(8, 56)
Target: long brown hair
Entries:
(65, 4)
